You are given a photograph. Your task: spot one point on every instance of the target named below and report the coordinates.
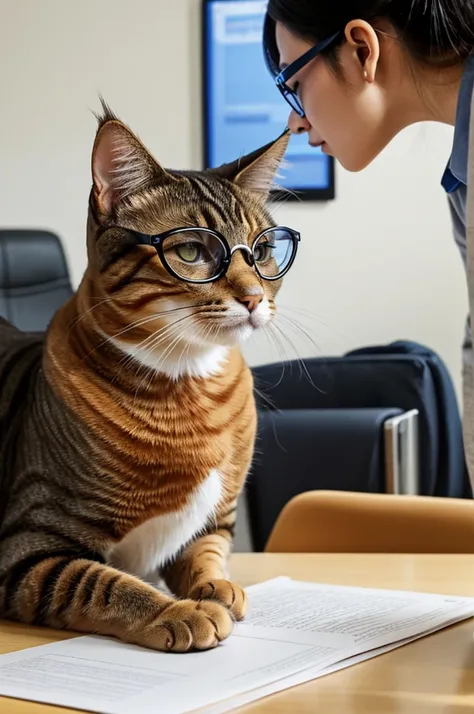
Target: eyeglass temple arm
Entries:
(145, 239)
(298, 64)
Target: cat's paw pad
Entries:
(229, 594)
(188, 625)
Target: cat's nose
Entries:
(251, 302)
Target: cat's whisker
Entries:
(266, 399)
(285, 339)
(137, 323)
(164, 335)
(300, 329)
(301, 361)
(156, 367)
(282, 196)
(150, 318)
(312, 316)
(170, 349)
(149, 342)
(271, 340)
(188, 344)
(283, 356)
(83, 315)
(149, 372)
(283, 360)
(109, 339)
(143, 346)
(186, 348)
(174, 341)
(140, 323)
(273, 409)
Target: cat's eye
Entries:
(189, 252)
(263, 252)
(196, 254)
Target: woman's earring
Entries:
(366, 74)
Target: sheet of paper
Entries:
(102, 675)
(303, 677)
(294, 629)
(356, 619)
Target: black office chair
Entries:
(34, 278)
(382, 419)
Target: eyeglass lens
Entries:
(199, 255)
(293, 100)
(273, 252)
(194, 255)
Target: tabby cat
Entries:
(128, 430)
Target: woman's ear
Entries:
(364, 42)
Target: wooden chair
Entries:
(341, 522)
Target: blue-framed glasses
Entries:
(281, 77)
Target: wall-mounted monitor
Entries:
(242, 107)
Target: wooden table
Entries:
(433, 675)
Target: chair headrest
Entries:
(30, 257)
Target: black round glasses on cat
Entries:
(201, 255)
(281, 75)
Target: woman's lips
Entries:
(316, 144)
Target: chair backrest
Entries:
(402, 375)
(34, 278)
(308, 440)
(449, 471)
(338, 522)
(299, 450)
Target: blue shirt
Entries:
(455, 177)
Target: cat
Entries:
(127, 431)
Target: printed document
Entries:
(294, 632)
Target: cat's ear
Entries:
(121, 164)
(257, 171)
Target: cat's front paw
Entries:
(187, 625)
(229, 594)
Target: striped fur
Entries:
(127, 434)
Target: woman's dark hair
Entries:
(439, 32)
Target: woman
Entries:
(356, 72)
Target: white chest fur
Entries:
(149, 546)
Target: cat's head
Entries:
(187, 296)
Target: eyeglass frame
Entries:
(157, 242)
(281, 78)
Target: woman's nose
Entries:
(297, 124)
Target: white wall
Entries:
(375, 265)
